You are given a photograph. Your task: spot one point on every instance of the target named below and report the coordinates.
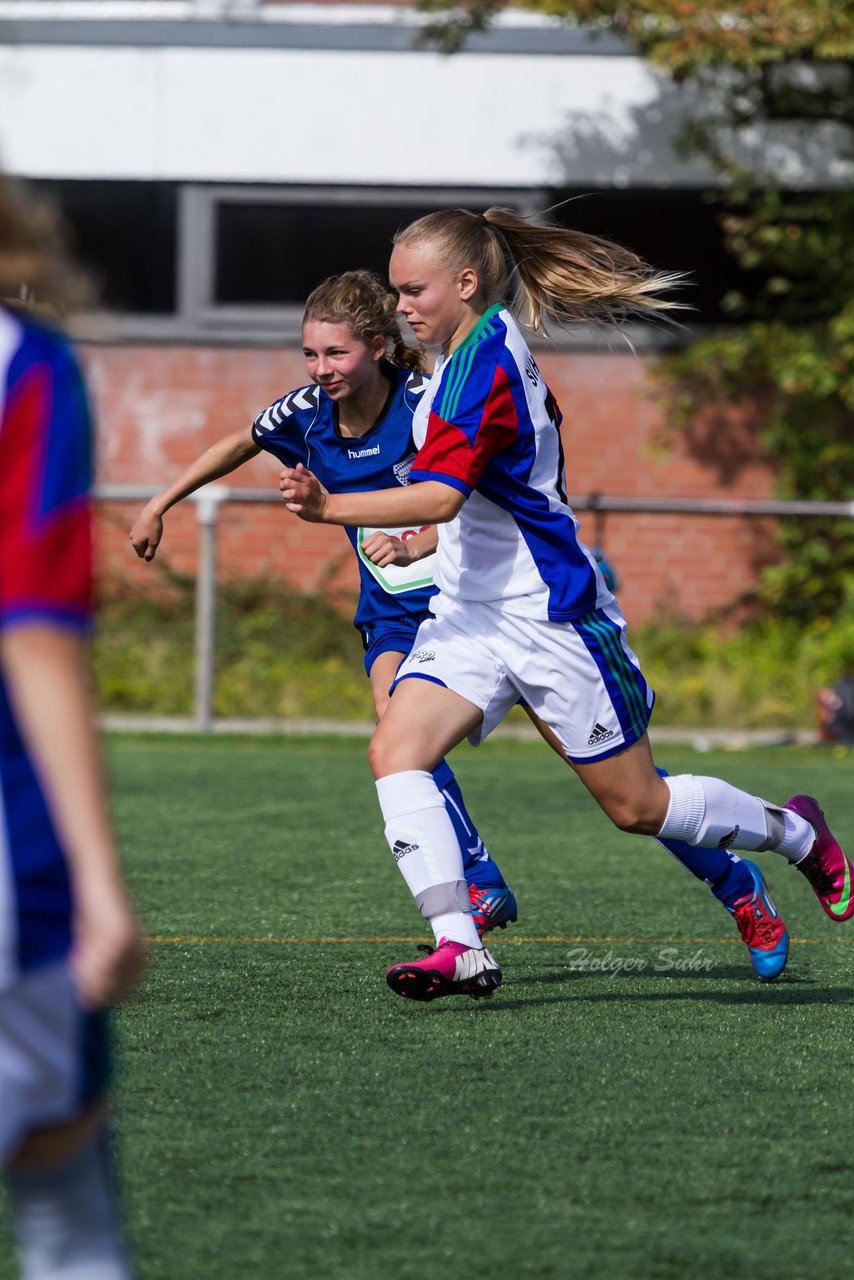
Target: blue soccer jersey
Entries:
(488, 426)
(45, 576)
(301, 427)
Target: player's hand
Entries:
(146, 534)
(382, 549)
(303, 493)
(108, 951)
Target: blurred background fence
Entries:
(209, 501)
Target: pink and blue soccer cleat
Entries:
(825, 866)
(761, 928)
(492, 908)
(452, 969)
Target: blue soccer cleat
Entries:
(492, 908)
(761, 928)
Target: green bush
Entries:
(277, 654)
(288, 656)
(762, 677)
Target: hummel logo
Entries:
(401, 849)
(599, 734)
(423, 655)
(728, 840)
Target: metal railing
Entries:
(209, 499)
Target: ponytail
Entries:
(544, 271)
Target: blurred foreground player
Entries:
(69, 943)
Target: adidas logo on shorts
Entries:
(599, 734)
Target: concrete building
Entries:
(215, 160)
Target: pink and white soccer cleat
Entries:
(451, 969)
(825, 866)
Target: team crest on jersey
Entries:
(403, 468)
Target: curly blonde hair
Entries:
(554, 272)
(363, 302)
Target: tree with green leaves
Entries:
(785, 67)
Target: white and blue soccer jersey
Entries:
(45, 576)
(488, 425)
(301, 427)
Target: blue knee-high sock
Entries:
(480, 867)
(724, 872)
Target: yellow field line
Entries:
(578, 937)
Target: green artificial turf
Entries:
(631, 1105)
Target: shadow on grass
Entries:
(782, 992)
(722, 972)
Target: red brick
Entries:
(159, 407)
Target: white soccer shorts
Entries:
(45, 1044)
(580, 677)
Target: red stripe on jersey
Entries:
(449, 449)
(45, 557)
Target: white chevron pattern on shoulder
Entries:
(266, 421)
(274, 416)
(305, 398)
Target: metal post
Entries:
(207, 512)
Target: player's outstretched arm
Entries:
(217, 461)
(429, 502)
(383, 549)
(47, 675)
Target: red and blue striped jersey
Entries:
(45, 576)
(488, 425)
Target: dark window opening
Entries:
(124, 234)
(272, 254)
(267, 253)
(674, 231)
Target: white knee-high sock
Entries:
(424, 845)
(711, 813)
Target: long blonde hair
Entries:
(545, 271)
(362, 301)
(35, 268)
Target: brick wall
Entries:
(158, 407)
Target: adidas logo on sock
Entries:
(599, 734)
(400, 849)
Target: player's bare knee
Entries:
(382, 752)
(634, 814)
